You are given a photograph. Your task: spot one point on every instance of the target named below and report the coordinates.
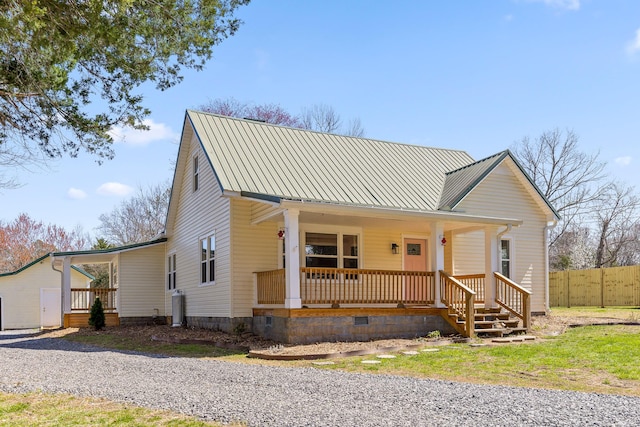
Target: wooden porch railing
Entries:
(271, 286)
(475, 282)
(358, 286)
(513, 298)
(350, 286)
(82, 298)
(459, 300)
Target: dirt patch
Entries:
(541, 326)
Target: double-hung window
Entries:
(208, 259)
(171, 272)
(505, 257)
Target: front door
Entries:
(415, 259)
(50, 307)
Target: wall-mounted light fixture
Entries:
(395, 249)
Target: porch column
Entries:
(437, 257)
(66, 285)
(292, 250)
(491, 264)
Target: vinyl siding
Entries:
(20, 293)
(468, 253)
(254, 248)
(501, 194)
(377, 249)
(199, 213)
(142, 282)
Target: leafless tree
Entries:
(572, 180)
(320, 117)
(138, 219)
(617, 218)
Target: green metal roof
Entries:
(274, 163)
(462, 181)
(112, 250)
(42, 258)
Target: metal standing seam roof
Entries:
(294, 164)
(42, 258)
(462, 181)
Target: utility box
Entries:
(177, 308)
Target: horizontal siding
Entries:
(199, 213)
(254, 248)
(377, 249)
(142, 282)
(501, 194)
(468, 253)
(20, 293)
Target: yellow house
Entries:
(302, 236)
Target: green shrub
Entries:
(96, 319)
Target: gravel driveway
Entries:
(276, 396)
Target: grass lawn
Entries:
(604, 359)
(57, 409)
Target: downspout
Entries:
(547, 228)
(53, 267)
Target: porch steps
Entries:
(495, 322)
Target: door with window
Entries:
(415, 259)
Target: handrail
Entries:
(476, 282)
(459, 300)
(514, 298)
(82, 298)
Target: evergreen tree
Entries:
(97, 319)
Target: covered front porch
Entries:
(323, 275)
(362, 292)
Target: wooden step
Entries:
(500, 331)
(492, 316)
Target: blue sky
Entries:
(470, 75)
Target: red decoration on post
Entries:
(281, 234)
(443, 241)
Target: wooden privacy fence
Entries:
(615, 286)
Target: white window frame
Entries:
(171, 271)
(340, 231)
(207, 261)
(196, 173)
(509, 259)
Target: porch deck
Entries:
(360, 292)
(81, 301)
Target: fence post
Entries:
(601, 287)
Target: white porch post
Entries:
(66, 285)
(437, 256)
(491, 264)
(292, 250)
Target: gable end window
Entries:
(208, 259)
(196, 171)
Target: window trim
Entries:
(205, 264)
(340, 231)
(511, 257)
(171, 269)
(196, 173)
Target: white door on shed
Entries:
(50, 307)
